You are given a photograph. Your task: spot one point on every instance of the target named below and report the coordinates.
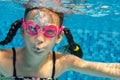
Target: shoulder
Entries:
(4, 60)
(6, 57)
(66, 58)
(69, 59)
(8, 51)
(60, 55)
(4, 52)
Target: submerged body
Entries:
(43, 69)
(63, 63)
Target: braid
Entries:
(12, 32)
(73, 47)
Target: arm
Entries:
(110, 70)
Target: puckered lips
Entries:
(37, 50)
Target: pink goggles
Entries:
(48, 31)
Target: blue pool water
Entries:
(97, 31)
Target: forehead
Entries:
(43, 16)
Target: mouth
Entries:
(38, 50)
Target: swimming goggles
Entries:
(33, 28)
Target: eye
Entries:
(32, 29)
(51, 32)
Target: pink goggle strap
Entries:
(25, 24)
(60, 29)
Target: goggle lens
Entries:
(48, 31)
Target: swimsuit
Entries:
(31, 78)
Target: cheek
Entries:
(29, 39)
(51, 42)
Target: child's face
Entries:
(40, 37)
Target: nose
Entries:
(39, 39)
(38, 42)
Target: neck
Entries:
(32, 61)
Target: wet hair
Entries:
(12, 32)
(72, 47)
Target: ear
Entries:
(59, 37)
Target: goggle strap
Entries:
(61, 29)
